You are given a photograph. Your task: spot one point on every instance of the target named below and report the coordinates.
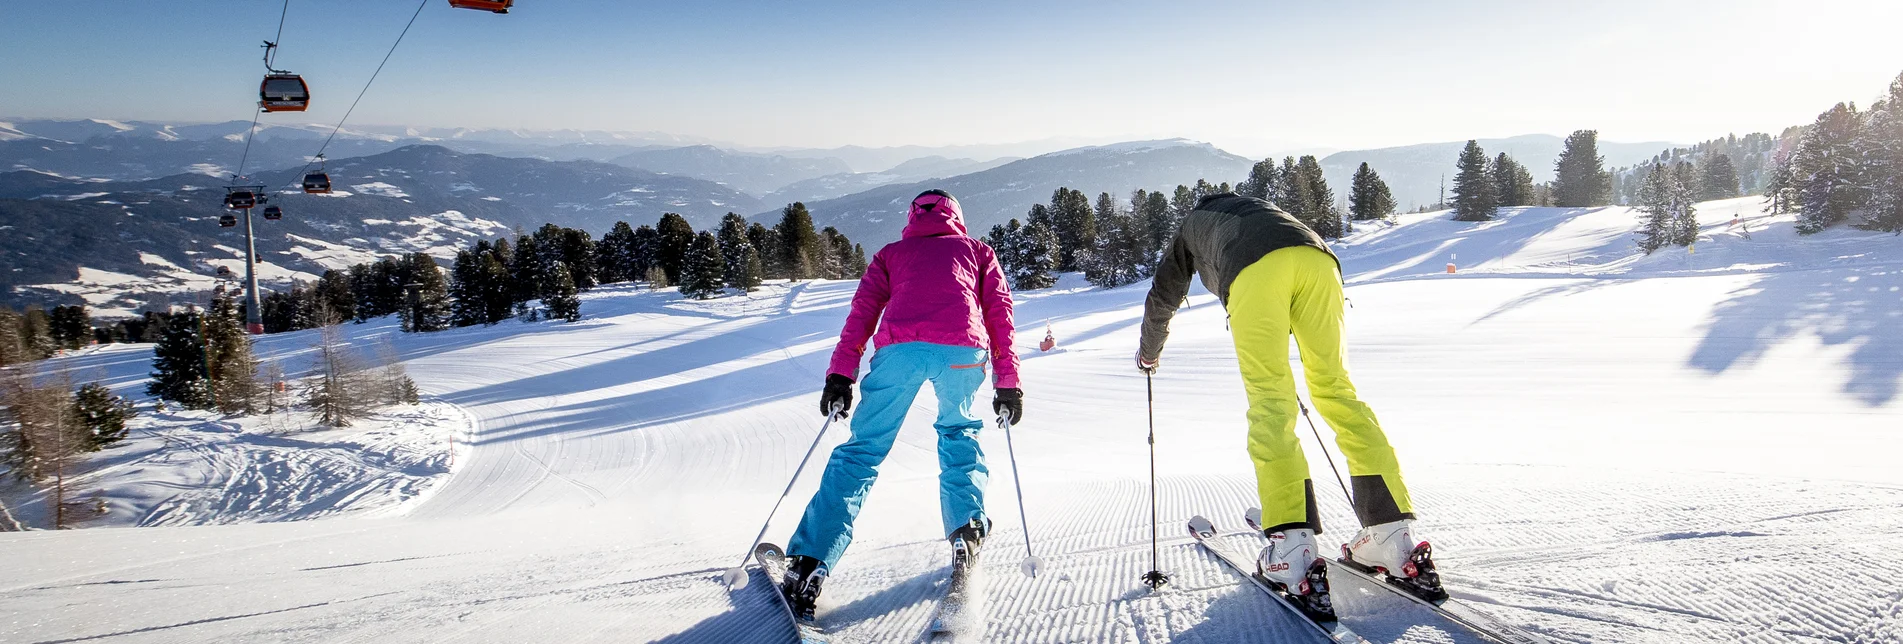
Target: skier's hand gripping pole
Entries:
(1032, 564)
(736, 577)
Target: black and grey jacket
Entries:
(1225, 234)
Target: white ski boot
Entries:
(1293, 563)
(1393, 549)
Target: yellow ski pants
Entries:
(1298, 290)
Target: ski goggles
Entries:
(935, 201)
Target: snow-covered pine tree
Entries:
(856, 267)
(1687, 175)
(1319, 209)
(101, 415)
(1261, 180)
(611, 255)
(1368, 196)
(1116, 257)
(766, 242)
(1655, 204)
(1883, 161)
(1285, 192)
(1780, 188)
(233, 370)
(1159, 222)
(178, 363)
(1718, 178)
(1683, 200)
(560, 295)
(1034, 255)
(835, 253)
(1827, 171)
(701, 275)
(676, 235)
(734, 251)
(1473, 189)
(1512, 183)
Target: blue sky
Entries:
(1252, 76)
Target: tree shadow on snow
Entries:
(1861, 308)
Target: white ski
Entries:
(960, 615)
(1485, 625)
(773, 565)
(1205, 534)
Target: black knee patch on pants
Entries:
(1314, 521)
(1374, 504)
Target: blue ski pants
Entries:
(898, 371)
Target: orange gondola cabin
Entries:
(498, 6)
(273, 213)
(241, 199)
(317, 183)
(282, 92)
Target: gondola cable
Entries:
(269, 50)
(367, 84)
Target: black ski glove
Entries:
(838, 392)
(1009, 401)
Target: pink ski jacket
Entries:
(936, 284)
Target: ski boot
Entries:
(1392, 549)
(1293, 565)
(965, 542)
(804, 575)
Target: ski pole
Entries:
(1325, 454)
(1032, 564)
(736, 577)
(1155, 578)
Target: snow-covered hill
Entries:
(1688, 447)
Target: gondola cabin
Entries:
(224, 271)
(228, 220)
(317, 183)
(498, 6)
(284, 93)
(241, 199)
(273, 213)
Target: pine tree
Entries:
(1261, 180)
(1075, 224)
(1582, 181)
(576, 250)
(465, 287)
(801, 256)
(178, 363)
(701, 277)
(101, 415)
(334, 291)
(498, 287)
(856, 267)
(527, 272)
(1827, 171)
(676, 235)
(1368, 196)
(1116, 258)
(644, 253)
(36, 334)
(1883, 160)
(614, 255)
(1655, 204)
(766, 242)
(1320, 211)
(232, 369)
(428, 308)
(70, 327)
(1780, 190)
(559, 295)
(752, 271)
(1720, 178)
(735, 251)
(1473, 190)
(1683, 201)
(339, 390)
(1512, 183)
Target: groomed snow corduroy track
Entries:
(1603, 447)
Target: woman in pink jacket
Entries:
(940, 304)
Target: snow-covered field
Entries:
(1692, 446)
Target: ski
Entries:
(1205, 534)
(960, 614)
(1485, 625)
(773, 564)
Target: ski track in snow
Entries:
(1671, 459)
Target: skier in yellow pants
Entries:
(1276, 277)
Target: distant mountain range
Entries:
(161, 235)
(104, 210)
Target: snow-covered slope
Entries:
(1606, 448)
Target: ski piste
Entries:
(1485, 625)
(772, 562)
(1205, 534)
(960, 613)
